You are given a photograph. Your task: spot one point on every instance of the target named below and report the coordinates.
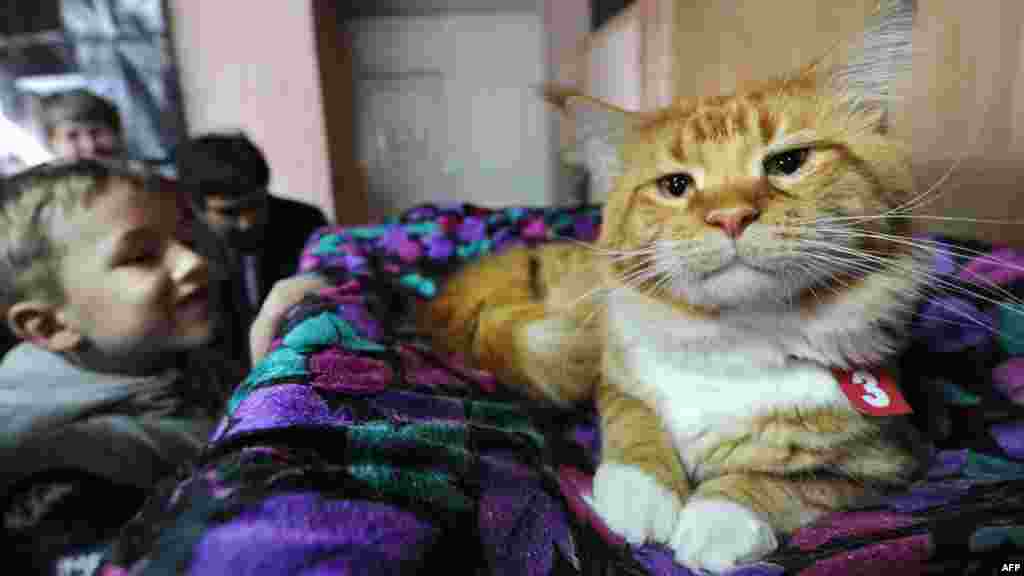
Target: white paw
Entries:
(717, 535)
(634, 505)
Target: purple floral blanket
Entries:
(354, 448)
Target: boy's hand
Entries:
(285, 294)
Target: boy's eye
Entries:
(674, 185)
(785, 163)
(140, 257)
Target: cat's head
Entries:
(758, 196)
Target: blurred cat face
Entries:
(754, 199)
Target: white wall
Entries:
(449, 109)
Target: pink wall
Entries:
(566, 24)
(253, 66)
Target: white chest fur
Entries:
(705, 378)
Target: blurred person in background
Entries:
(79, 124)
(227, 176)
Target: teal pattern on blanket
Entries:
(430, 486)
(279, 364)
(1011, 330)
(995, 537)
(326, 329)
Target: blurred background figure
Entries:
(79, 124)
(227, 176)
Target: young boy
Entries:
(112, 387)
(79, 124)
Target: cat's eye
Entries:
(785, 163)
(674, 185)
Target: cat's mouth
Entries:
(735, 284)
(736, 264)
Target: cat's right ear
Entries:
(600, 129)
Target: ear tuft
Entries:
(883, 54)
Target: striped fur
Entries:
(704, 325)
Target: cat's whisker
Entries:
(926, 278)
(661, 270)
(918, 201)
(625, 254)
(647, 252)
(859, 260)
(913, 311)
(923, 244)
(634, 277)
(637, 278)
(922, 199)
(926, 244)
(592, 293)
(938, 218)
(668, 275)
(906, 308)
(831, 266)
(938, 247)
(834, 265)
(852, 220)
(864, 258)
(808, 269)
(593, 313)
(636, 272)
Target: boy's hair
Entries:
(30, 202)
(78, 105)
(225, 164)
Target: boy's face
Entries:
(241, 221)
(133, 286)
(76, 140)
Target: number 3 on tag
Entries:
(875, 395)
(872, 392)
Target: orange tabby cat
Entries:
(741, 266)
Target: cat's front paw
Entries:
(634, 505)
(716, 535)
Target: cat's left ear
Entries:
(600, 129)
(878, 61)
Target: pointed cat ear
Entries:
(600, 129)
(880, 58)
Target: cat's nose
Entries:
(733, 221)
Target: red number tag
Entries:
(872, 392)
